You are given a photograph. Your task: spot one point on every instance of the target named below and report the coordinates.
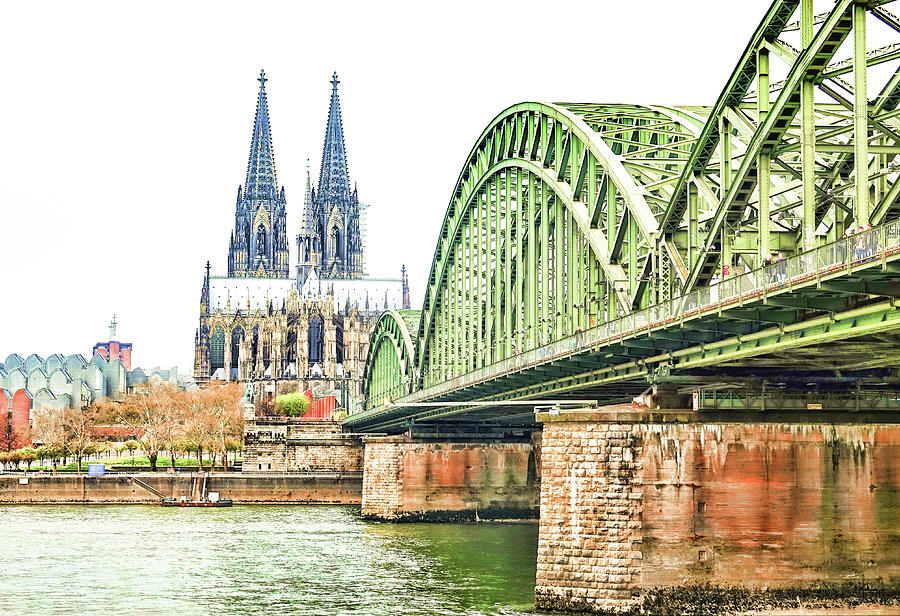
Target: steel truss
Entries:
(566, 217)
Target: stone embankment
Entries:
(242, 488)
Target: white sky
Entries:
(124, 132)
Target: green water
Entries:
(257, 560)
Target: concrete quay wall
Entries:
(630, 508)
(306, 488)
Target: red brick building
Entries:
(113, 349)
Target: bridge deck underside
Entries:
(828, 327)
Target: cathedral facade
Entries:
(260, 323)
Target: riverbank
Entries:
(144, 488)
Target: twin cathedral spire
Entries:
(330, 239)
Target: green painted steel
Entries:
(567, 217)
(391, 365)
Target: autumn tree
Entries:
(217, 419)
(11, 439)
(49, 429)
(78, 431)
(28, 455)
(153, 411)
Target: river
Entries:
(257, 560)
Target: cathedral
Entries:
(261, 323)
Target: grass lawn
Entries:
(162, 463)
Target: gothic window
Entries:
(291, 350)
(335, 243)
(339, 340)
(237, 336)
(217, 348)
(246, 236)
(261, 241)
(316, 340)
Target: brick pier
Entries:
(414, 480)
(638, 502)
(589, 543)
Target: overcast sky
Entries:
(125, 129)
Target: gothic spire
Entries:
(334, 180)
(308, 204)
(261, 182)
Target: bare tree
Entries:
(154, 411)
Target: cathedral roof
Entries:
(334, 178)
(239, 290)
(261, 182)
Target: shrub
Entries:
(293, 404)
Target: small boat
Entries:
(173, 502)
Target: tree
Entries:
(131, 445)
(155, 412)
(50, 429)
(293, 404)
(43, 452)
(233, 445)
(216, 417)
(264, 405)
(78, 429)
(14, 457)
(13, 439)
(28, 455)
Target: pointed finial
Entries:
(207, 269)
(334, 81)
(112, 328)
(262, 78)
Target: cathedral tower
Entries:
(331, 239)
(258, 245)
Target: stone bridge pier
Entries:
(415, 479)
(633, 502)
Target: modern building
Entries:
(258, 322)
(34, 384)
(113, 349)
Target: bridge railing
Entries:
(799, 270)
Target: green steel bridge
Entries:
(590, 250)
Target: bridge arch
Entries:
(553, 216)
(390, 367)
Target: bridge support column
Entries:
(660, 510)
(418, 480)
(589, 542)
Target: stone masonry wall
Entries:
(431, 481)
(770, 504)
(630, 508)
(589, 542)
(311, 488)
(300, 446)
(336, 457)
(382, 479)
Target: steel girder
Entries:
(390, 369)
(794, 163)
(567, 216)
(553, 215)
